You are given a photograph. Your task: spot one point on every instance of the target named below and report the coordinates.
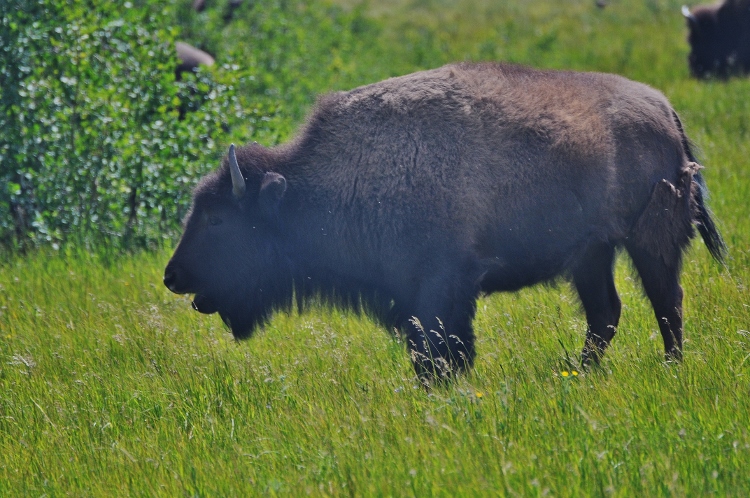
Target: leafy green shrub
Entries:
(293, 50)
(92, 146)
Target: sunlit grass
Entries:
(111, 385)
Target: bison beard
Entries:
(408, 198)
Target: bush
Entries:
(292, 50)
(92, 147)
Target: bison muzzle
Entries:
(409, 198)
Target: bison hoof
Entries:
(674, 355)
(591, 356)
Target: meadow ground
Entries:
(111, 385)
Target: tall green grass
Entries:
(111, 385)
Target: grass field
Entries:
(111, 385)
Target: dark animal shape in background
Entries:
(190, 58)
(719, 38)
(231, 7)
(410, 197)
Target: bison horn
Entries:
(689, 16)
(238, 182)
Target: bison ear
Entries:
(272, 189)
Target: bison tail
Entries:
(702, 215)
(705, 223)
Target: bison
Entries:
(190, 58)
(719, 38)
(409, 198)
(231, 7)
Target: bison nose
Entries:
(172, 278)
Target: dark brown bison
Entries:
(231, 7)
(719, 38)
(410, 197)
(190, 58)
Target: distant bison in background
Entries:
(231, 7)
(719, 38)
(190, 58)
(410, 197)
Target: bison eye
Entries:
(214, 220)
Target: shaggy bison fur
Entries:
(409, 198)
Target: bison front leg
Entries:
(439, 332)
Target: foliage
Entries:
(293, 51)
(111, 385)
(100, 144)
(92, 146)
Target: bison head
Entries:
(230, 254)
(714, 37)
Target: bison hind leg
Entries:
(661, 285)
(594, 281)
(658, 241)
